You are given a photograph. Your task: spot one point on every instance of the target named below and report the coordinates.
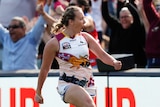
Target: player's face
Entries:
(79, 20)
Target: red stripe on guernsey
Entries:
(59, 36)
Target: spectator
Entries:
(89, 25)
(19, 47)
(152, 10)
(128, 33)
(10, 9)
(71, 49)
(96, 14)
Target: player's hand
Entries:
(117, 65)
(38, 98)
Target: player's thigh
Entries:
(77, 96)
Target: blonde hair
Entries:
(69, 14)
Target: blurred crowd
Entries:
(120, 27)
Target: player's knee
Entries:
(90, 103)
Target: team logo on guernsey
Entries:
(66, 45)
